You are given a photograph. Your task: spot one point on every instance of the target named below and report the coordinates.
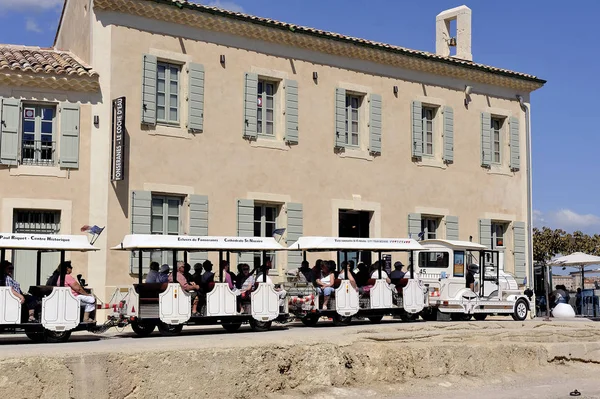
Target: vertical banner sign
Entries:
(118, 139)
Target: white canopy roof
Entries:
(576, 259)
(454, 244)
(48, 242)
(354, 244)
(136, 242)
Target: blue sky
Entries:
(536, 37)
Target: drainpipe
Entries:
(525, 108)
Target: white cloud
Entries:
(30, 5)
(224, 4)
(538, 218)
(32, 26)
(568, 217)
(567, 220)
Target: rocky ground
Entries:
(393, 359)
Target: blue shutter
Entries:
(9, 130)
(485, 232)
(452, 227)
(520, 240)
(375, 124)
(250, 106)
(340, 118)
(291, 112)
(149, 90)
(417, 129)
(69, 135)
(245, 226)
(448, 135)
(196, 97)
(294, 232)
(486, 139)
(198, 224)
(414, 225)
(141, 208)
(515, 156)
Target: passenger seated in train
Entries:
(152, 276)
(325, 284)
(186, 273)
(263, 277)
(247, 281)
(305, 274)
(397, 274)
(342, 275)
(375, 276)
(163, 274)
(362, 277)
(87, 301)
(226, 276)
(30, 301)
(208, 275)
(53, 279)
(197, 276)
(192, 288)
(316, 270)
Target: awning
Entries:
(146, 242)
(355, 244)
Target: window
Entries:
(265, 110)
(352, 119)
(265, 222)
(36, 221)
(429, 226)
(167, 93)
(428, 118)
(498, 230)
(459, 264)
(38, 140)
(434, 259)
(497, 140)
(165, 219)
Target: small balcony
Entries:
(38, 153)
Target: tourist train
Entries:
(443, 277)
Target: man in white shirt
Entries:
(375, 273)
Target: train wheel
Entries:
(405, 316)
(341, 320)
(231, 327)
(521, 310)
(35, 336)
(310, 320)
(375, 319)
(143, 329)
(169, 329)
(429, 314)
(480, 316)
(256, 325)
(55, 336)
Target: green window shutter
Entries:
(515, 156)
(485, 232)
(417, 129)
(291, 112)
(141, 205)
(9, 130)
(340, 118)
(250, 106)
(451, 227)
(375, 124)
(414, 225)
(198, 224)
(520, 240)
(486, 139)
(245, 226)
(448, 135)
(149, 90)
(196, 97)
(69, 135)
(294, 232)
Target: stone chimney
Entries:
(443, 37)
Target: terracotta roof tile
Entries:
(40, 60)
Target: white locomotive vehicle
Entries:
(447, 268)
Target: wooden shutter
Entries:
(196, 97)
(9, 130)
(515, 156)
(69, 135)
(485, 232)
(340, 118)
(486, 139)
(245, 226)
(291, 112)
(149, 90)
(250, 106)
(375, 124)
(141, 208)
(417, 129)
(520, 241)
(198, 224)
(294, 232)
(448, 153)
(452, 227)
(414, 225)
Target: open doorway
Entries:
(355, 224)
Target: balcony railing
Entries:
(38, 152)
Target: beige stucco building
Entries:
(242, 125)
